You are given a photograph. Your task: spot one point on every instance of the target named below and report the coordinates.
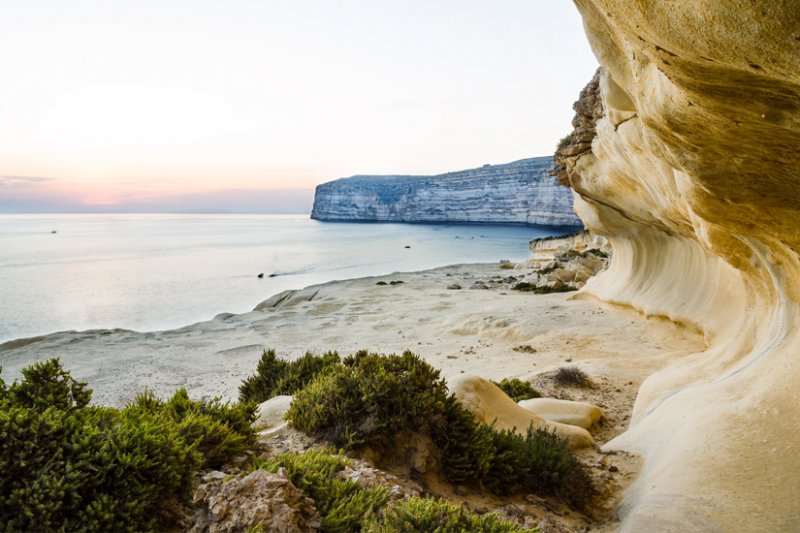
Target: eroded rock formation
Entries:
(694, 177)
(522, 192)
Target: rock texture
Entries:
(522, 192)
(259, 501)
(694, 177)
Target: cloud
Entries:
(23, 181)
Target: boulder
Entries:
(270, 413)
(259, 500)
(490, 405)
(579, 414)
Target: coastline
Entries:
(459, 331)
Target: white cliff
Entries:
(521, 192)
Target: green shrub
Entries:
(47, 384)
(517, 389)
(565, 141)
(342, 504)
(219, 431)
(72, 467)
(69, 466)
(436, 516)
(370, 400)
(275, 376)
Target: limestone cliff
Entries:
(693, 175)
(521, 192)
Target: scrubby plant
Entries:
(370, 400)
(342, 504)
(517, 389)
(436, 516)
(69, 466)
(565, 141)
(571, 376)
(276, 376)
(218, 430)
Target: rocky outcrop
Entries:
(694, 177)
(259, 501)
(521, 192)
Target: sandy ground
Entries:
(493, 333)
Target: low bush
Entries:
(218, 431)
(370, 400)
(436, 516)
(342, 504)
(275, 376)
(517, 389)
(571, 376)
(69, 466)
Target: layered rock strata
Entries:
(521, 192)
(693, 175)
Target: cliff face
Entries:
(521, 192)
(694, 177)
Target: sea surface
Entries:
(154, 272)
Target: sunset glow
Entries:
(128, 105)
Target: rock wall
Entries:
(693, 175)
(521, 192)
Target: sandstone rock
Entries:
(693, 174)
(564, 275)
(261, 498)
(490, 404)
(270, 413)
(479, 285)
(564, 411)
(454, 286)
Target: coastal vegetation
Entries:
(346, 507)
(376, 402)
(517, 390)
(71, 466)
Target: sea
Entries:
(149, 272)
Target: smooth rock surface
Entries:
(270, 413)
(568, 412)
(522, 192)
(693, 175)
(490, 405)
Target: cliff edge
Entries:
(521, 192)
(692, 172)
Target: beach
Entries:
(494, 332)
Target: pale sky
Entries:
(181, 105)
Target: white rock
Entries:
(270, 413)
(563, 411)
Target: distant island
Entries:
(521, 192)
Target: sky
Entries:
(247, 105)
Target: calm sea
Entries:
(152, 272)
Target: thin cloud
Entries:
(22, 181)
